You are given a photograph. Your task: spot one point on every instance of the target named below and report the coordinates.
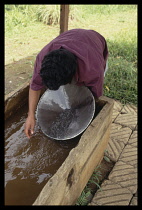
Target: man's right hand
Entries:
(30, 121)
(29, 126)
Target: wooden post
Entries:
(64, 13)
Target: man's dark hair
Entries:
(58, 68)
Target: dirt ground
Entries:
(21, 50)
(18, 72)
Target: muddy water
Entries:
(29, 164)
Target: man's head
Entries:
(58, 68)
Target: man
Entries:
(78, 55)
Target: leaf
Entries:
(107, 159)
(21, 77)
(107, 88)
(96, 184)
(82, 201)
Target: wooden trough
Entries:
(66, 185)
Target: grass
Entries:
(27, 41)
(118, 24)
(87, 191)
(93, 184)
(28, 28)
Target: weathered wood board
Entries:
(16, 99)
(67, 183)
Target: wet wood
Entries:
(16, 99)
(66, 185)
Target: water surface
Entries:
(29, 164)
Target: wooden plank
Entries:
(16, 99)
(64, 13)
(68, 182)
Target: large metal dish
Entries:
(65, 113)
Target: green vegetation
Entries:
(28, 28)
(95, 180)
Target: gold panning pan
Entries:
(65, 113)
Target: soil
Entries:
(18, 72)
(21, 49)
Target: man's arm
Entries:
(30, 121)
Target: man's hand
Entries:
(29, 126)
(30, 121)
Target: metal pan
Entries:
(65, 113)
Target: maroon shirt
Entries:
(91, 50)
